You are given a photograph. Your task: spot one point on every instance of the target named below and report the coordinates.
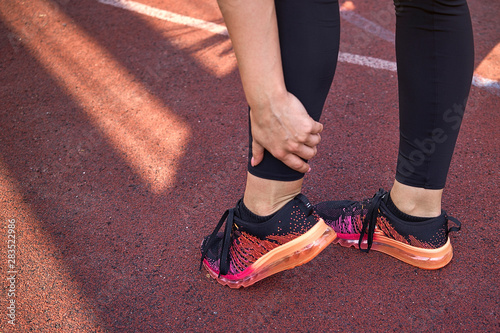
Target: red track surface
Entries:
(123, 138)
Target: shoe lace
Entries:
(226, 241)
(370, 220)
(454, 220)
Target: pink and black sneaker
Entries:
(247, 252)
(370, 224)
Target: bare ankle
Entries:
(264, 197)
(416, 201)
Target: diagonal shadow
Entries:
(117, 236)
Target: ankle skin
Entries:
(264, 196)
(416, 201)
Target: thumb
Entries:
(257, 153)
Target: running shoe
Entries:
(369, 224)
(248, 252)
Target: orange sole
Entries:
(416, 256)
(287, 256)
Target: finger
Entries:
(296, 163)
(306, 152)
(313, 140)
(257, 153)
(317, 128)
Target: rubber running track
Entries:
(123, 138)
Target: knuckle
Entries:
(302, 137)
(293, 146)
(308, 127)
(280, 154)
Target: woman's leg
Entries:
(274, 227)
(435, 63)
(309, 34)
(435, 56)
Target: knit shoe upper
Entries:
(248, 252)
(369, 224)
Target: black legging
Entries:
(435, 57)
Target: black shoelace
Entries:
(226, 241)
(370, 220)
(454, 220)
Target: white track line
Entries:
(482, 82)
(367, 61)
(350, 16)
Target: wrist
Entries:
(266, 96)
